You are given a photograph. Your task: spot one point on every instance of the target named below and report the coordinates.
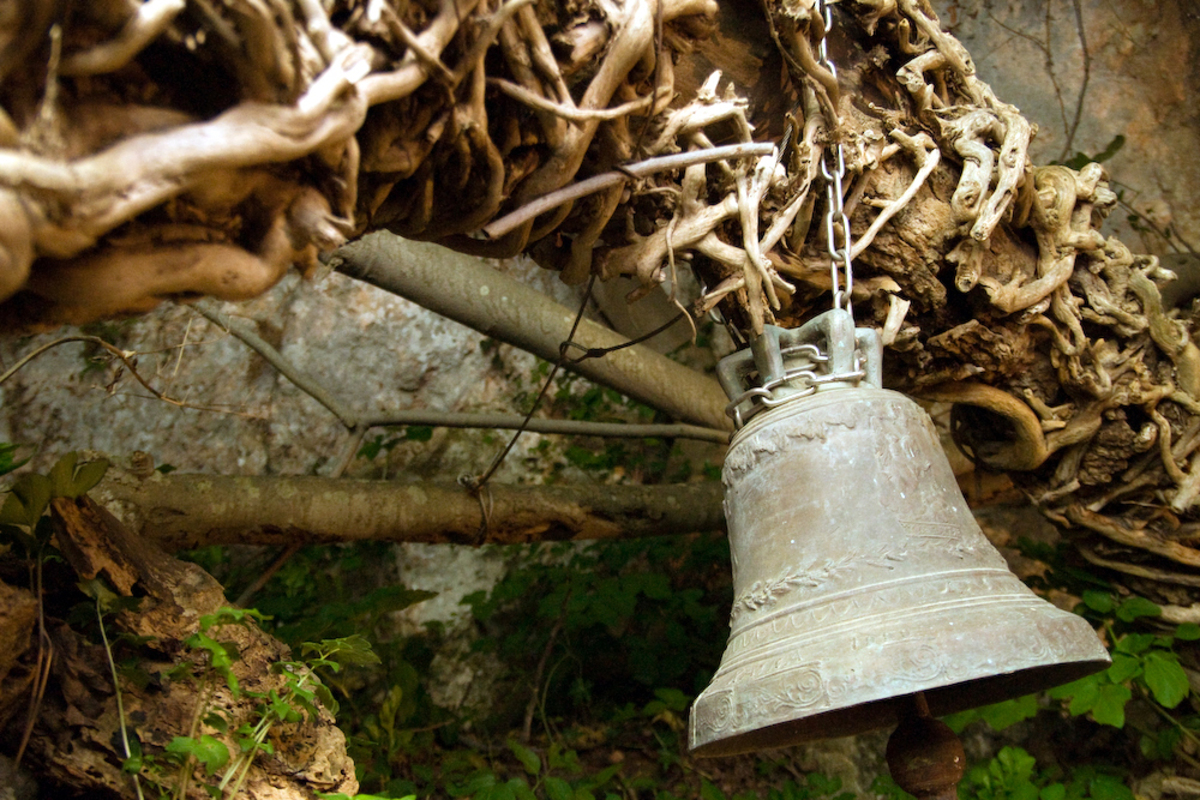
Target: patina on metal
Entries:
(860, 575)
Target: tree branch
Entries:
(459, 287)
(187, 511)
(448, 419)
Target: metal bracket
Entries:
(784, 364)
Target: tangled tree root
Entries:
(171, 149)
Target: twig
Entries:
(566, 427)
(475, 484)
(243, 599)
(518, 92)
(112, 666)
(45, 658)
(276, 360)
(447, 419)
(536, 683)
(650, 166)
(126, 357)
(1083, 86)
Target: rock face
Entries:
(1088, 72)
(237, 415)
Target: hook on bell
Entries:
(860, 575)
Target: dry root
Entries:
(171, 149)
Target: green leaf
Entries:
(387, 710)
(1111, 149)
(108, 600)
(1055, 791)
(530, 760)
(7, 462)
(216, 722)
(418, 433)
(520, 789)
(1135, 607)
(230, 616)
(86, 477)
(61, 475)
(1109, 706)
(1188, 632)
(1109, 787)
(1003, 715)
(136, 760)
(600, 778)
(1082, 693)
(1014, 764)
(27, 500)
(211, 753)
(476, 783)
(1165, 678)
(558, 789)
(1124, 667)
(1135, 643)
(1100, 602)
(710, 792)
(353, 650)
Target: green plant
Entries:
(1146, 667)
(24, 522)
(8, 462)
(1081, 160)
(1013, 774)
(211, 661)
(387, 441)
(603, 620)
(106, 602)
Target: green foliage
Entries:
(212, 659)
(387, 441)
(207, 751)
(606, 620)
(1013, 774)
(1146, 667)
(1143, 663)
(814, 786)
(8, 458)
(998, 716)
(30, 496)
(1081, 160)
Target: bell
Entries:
(860, 576)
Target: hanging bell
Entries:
(860, 576)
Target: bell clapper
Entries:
(924, 756)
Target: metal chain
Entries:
(833, 169)
(806, 368)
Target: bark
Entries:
(187, 511)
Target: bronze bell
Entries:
(860, 576)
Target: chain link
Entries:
(833, 170)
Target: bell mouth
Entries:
(885, 713)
